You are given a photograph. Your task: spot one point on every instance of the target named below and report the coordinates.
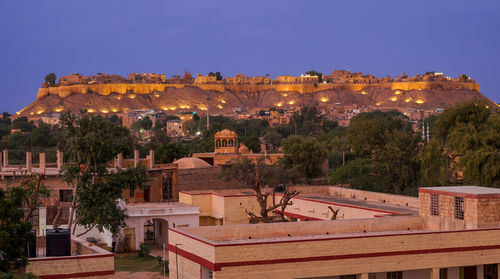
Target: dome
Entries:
(243, 149)
(191, 163)
(226, 133)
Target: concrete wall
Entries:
(93, 262)
(415, 253)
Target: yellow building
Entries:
(456, 234)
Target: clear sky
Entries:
(251, 37)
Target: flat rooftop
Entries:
(295, 231)
(475, 190)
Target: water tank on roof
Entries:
(30, 249)
(58, 242)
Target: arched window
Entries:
(217, 143)
(224, 143)
(231, 143)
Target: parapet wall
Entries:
(141, 88)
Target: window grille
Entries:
(443, 273)
(459, 208)
(395, 275)
(434, 205)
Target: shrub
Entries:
(145, 249)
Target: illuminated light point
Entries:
(164, 108)
(378, 103)
(31, 113)
(58, 109)
(157, 95)
(131, 96)
(285, 94)
(119, 97)
(407, 100)
(223, 101)
(104, 111)
(91, 110)
(219, 106)
(419, 101)
(364, 92)
(394, 99)
(487, 106)
(114, 109)
(324, 100)
(172, 108)
(40, 111)
(397, 92)
(291, 102)
(18, 112)
(279, 104)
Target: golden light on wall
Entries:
(419, 101)
(291, 102)
(31, 113)
(119, 97)
(279, 104)
(164, 108)
(223, 101)
(285, 94)
(324, 100)
(114, 109)
(58, 109)
(219, 106)
(487, 106)
(407, 100)
(202, 107)
(397, 92)
(378, 103)
(394, 99)
(17, 113)
(157, 95)
(104, 110)
(172, 108)
(40, 111)
(90, 110)
(131, 96)
(364, 92)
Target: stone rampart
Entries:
(303, 88)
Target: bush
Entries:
(145, 249)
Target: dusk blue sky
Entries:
(251, 37)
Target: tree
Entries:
(50, 79)
(307, 121)
(217, 75)
(14, 231)
(316, 73)
(257, 175)
(167, 153)
(305, 154)
(433, 164)
(144, 124)
(273, 139)
(90, 142)
(252, 142)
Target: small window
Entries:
(435, 205)
(443, 273)
(459, 208)
(65, 195)
(395, 275)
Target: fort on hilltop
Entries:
(107, 93)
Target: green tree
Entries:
(169, 152)
(305, 154)
(14, 232)
(316, 73)
(50, 79)
(307, 121)
(252, 142)
(273, 139)
(433, 164)
(90, 142)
